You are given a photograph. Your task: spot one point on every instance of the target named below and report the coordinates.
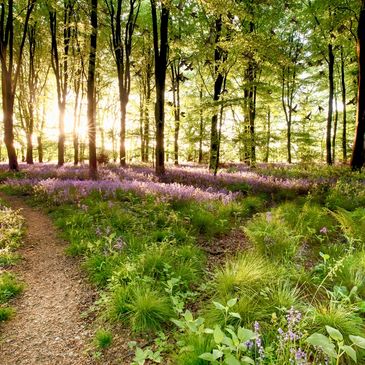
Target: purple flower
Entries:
(119, 244)
(323, 230)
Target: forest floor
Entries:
(48, 327)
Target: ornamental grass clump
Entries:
(248, 272)
(273, 237)
(339, 316)
(142, 307)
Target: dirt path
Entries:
(47, 329)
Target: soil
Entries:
(49, 327)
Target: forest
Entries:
(181, 182)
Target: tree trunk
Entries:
(357, 160)
(8, 109)
(344, 121)
(175, 76)
(29, 153)
(268, 135)
(10, 73)
(331, 63)
(161, 58)
(201, 127)
(91, 91)
(335, 124)
(40, 149)
(219, 57)
(146, 132)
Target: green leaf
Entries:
(358, 341)
(188, 316)
(335, 334)
(350, 352)
(247, 360)
(231, 360)
(232, 302)
(217, 354)
(324, 342)
(140, 356)
(245, 334)
(218, 335)
(219, 306)
(235, 315)
(207, 356)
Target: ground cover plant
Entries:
(11, 233)
(295, 295)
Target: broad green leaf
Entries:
(335, 334)
(188, 316)
(245, 335)
(207, 356)
(218, 335)
(217, 354)
(324, 342)
(208, 331)
(358, 341)
(231, 360)
(247, 360)
(232, 302)
(219, 306)
(140, 356)
(235, 315)
(350, 352)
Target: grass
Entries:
(103, 338)
(6, 313)
(145, 309)
(144, 255)
(10, 287)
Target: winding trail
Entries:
(48, 328)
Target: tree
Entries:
(160, 46)
(91, 90)
(60, 67)
(358, 154)
(220, 56)
(11, 69)
(122, 37)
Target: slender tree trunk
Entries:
(344, 121)
(29, 153)
(91, 91)
(141, 121)
(335, 124)
(175, 76)
(161, 58)
(219, 56)
(147, 103)
(331, 63)
(40, 149)
(268, 135)
(201, 127)
(358, 154)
